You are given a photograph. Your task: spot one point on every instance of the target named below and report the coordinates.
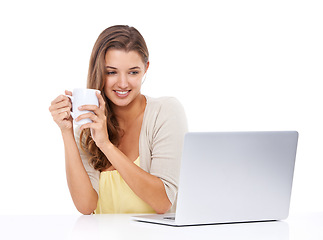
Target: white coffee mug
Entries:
(83, 96)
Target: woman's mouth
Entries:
(122, 94)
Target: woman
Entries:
(127, 160)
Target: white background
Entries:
(234, 65)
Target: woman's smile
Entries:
(122, 94)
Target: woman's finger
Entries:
(100, 111)
(59, 99)
(89, 115)
(68, 93)
(101, 101)
(93, 108)
(87, 125)
(63, 104)
(88, 108)
(60, 110)
(64, 115)
(60, 117)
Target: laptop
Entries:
(233, 177)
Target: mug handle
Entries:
(71, 97)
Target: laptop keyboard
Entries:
(169, 218)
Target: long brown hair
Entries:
(120, 37)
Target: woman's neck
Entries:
(126, 115)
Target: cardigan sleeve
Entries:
(93, 174)
(167, 143)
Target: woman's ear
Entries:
(145, 74)
(147, 66)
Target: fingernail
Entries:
(80, 107)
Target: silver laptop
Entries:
(230, 177)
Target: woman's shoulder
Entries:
(164, 103)
(164, 109)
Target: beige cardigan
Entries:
(160, 144)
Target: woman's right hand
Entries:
(60, 109)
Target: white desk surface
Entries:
(119, 226)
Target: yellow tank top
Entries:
(115, 196)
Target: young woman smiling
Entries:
(127, 160)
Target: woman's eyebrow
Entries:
(129, 68)
(134, 68)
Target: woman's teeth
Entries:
(122, 92)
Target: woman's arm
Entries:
(146, 186)
(84, 196)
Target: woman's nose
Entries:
(122, 81)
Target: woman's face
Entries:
(124, 72)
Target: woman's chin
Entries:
(124, 101)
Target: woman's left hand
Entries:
(98, 126)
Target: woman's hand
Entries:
(60, 109)
(98, 126)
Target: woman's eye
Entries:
(134, 72)
(111, 73)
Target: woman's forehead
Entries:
(122, 59)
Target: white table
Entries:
(302, 226)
